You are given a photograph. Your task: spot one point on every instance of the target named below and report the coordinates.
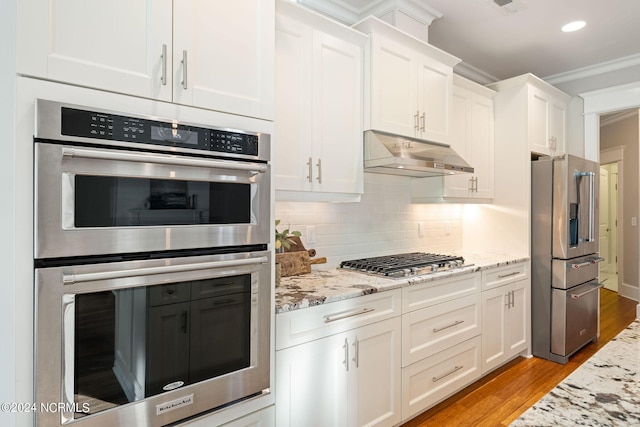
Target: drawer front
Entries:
(170, 293)
(502, 275)
(433, 329)
(435, 378)
(300, 326)
(439, 291)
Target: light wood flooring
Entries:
(503, 395)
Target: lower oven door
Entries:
(96, 200)
(574, 317)
(151, 342)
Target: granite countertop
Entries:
(325, 286)
(603, 391)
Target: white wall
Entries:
(384, 222)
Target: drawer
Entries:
(308, 324)
(435, 378)
(502, 275)
(170, 293)
(439, 291)
(433, 329)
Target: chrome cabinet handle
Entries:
(456, 323)
(346, 314)
(446, 374)
(580, 265)
(184, 69)
(470, 187)
(87, 153)
(319, 165)
(356, 356)
(502, 276)
(163, 65)
(513, 299)
(310, 170)
(70, 279)
(346, 354)
(415, 120)
(422, 120)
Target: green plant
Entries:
(283, 239)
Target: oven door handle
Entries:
(71, 279)
(85, 153)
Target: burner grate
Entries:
(404, 264)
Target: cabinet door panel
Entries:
(493, 328)
(337, 132)
(517, 318)
(538, 122)
(557, 126)
(458, 185)
(482, 145)
(115, 45)
(375, 389)
(311, 383)
(229, 49)
(293, 105)
(393, 88)
(435, 83)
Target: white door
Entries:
(112, 45)
(604, 228)
(228, 51)
(613, 219)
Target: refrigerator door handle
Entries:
(592, 205)
(581, 294)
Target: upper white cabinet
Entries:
(530, 104)
(472, 138)
(318, 149)
(214, 55)
(408, 82)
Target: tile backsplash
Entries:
(383, 222)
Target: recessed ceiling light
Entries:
(573, 26)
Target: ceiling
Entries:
(495, 44)
(502, 44)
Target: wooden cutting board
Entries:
(296, 263)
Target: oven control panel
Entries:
(113, 127)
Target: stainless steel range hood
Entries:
(399, 155)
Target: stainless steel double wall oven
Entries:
(153, 278)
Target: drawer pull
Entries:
(581, 294)
(455, 369)
(346, 314)
(502, 276)
(346, 354)
(456, 323)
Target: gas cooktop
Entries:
(402, 265)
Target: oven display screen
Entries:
(171, 134)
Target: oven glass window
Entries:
(139, 342)
(105, 201)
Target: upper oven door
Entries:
(92, 201)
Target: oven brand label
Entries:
(174, 404)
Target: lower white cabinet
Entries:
(338, 364)
(505, 323)
(263, 418)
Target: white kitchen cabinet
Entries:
(408, 83)
(318, 148)
(350, 378)
(505, 323)
(537, 113)
(472, 138)
(214, 55)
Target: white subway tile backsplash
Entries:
(384, 222)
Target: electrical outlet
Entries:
(420, 229)
(311, 234)
(634, 221)
(447, 228)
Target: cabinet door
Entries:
(168, 345)
(115, 45)
(481, 145)
(375, 377)
(435, 85)
(311, 383)
(558, 126)
(538, 121)
(337, 115)
(223, 55)
(494, 328)
(294, 41)
(459, 185)
(517, 317)
(394, 88)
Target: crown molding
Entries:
(616, 117)
(594, 70)
(475, 74)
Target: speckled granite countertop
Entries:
(603, 391)
(324, 286)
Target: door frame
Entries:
(615, 155)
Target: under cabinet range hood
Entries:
(400, 155)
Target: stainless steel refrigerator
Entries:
(564, 256)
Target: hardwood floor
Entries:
(503, 395)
